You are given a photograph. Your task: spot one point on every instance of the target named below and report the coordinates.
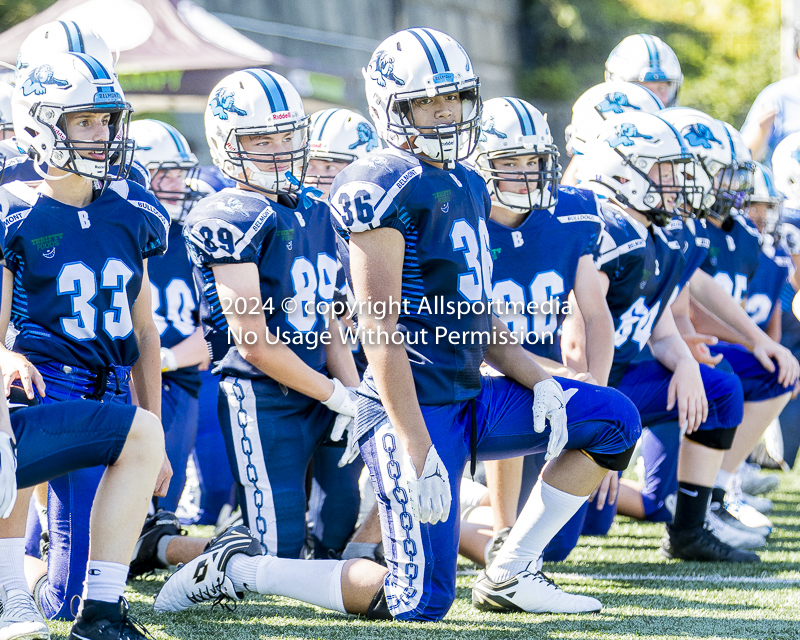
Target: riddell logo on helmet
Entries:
(281, 115)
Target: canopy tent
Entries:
(164, 46)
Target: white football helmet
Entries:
(423, 63)
(6, 121)
(62, 36)
(617, 163)
(257, 102)
(602, 101)
(734, 185)
(511, 128)
(786, 169)
(339, 135)
(645, 58)
(765, 192)
(71, 83)
(708, 140)
(162, 149)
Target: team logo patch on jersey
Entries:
(366, 135)
(699, 135)
(487, 128)
(233, 206)
(376, 161)
(41, 76)
(223, 104)
(614, 102)
(383, 69)
(625, 133)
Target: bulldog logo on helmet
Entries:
(383, 69)
(223, 103)
(699, 135)
(614, 102)
(625, 134)
(366, 135)
(41, 76)
(488, 128)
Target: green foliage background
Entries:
(728, 49)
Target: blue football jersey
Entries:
(537, 262)
(295, 251)
(174, 302)
(644, 268)
(442, 216)
(733, 256)
(692, 237)
(774, 268)
(78, 271)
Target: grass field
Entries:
(645, 597)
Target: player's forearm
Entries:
(711, 296)
(706, 322)
(671, 351)
(192, 350)
(599, 345)
(340, 363)
(510, 359)
(552, 367)
(146, 372)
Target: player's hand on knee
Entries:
(770, 353)
(606, 492)
(17, 367)
(687, 391)
(586, 377)
(428, 492)
(8, 475)
(343, 402)
(164, 476)
(550, 402)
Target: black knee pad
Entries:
(612, 461)
(379, 608)
(721, 439)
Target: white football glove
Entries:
(550, 402)
(168, 360)
(428, 494)
(343, 402)
(8, 475)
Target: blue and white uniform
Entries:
(270, 431)
(645, 269)
(527, 271)
(442, 218)
(77, 273)
(176, 315)
(774, 268)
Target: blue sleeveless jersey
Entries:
(174, 302)
(442, 217)
(537, 262)
(644, 268)
(78, 271)
(295, 252)
(733, 256)
(774, 268)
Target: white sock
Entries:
(12, 564)
(359, 550)
(317, 582)
(546, 511)
(105, 581)
(724, 480)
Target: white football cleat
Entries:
(204, 578)
(749, 516)
(530, 593)
(732, 535)
(21, 619)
